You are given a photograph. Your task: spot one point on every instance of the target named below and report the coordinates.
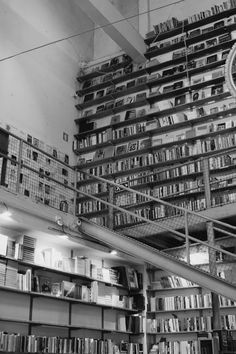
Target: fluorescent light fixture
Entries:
(63, 237)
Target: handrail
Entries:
(160, 201)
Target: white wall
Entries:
(37, 88)
(181, 11)
(104, 46)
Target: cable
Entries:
(85, 32)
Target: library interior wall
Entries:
(37, 88)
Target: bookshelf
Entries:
(139, 123)
(179, 313)
(55, 295)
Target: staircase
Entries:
(194, 245)
(201, 248)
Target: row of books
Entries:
(226, 5)
(216, 162)
(12, 277)
(139, 97)
(194, 33)
(112, 90)
(158, 122)
(179, 302)
(134, 324)
(175, 347)
(165, 138)
(171, 118)
(212, 42)
(185, 98)
(80, 265)
(189, 49)
(132, 198)
(175, 152)
(193, 64)
(228, 322)
(95, 292)
(20, 343)
(173, 281)
(162, 211)
(111, 63)
(173, 22)
(187, 324)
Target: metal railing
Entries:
(27, 170)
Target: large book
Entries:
(3, 245)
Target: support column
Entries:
(216, 321)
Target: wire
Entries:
(85, 32)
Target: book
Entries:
(69, 289)
(3, 245)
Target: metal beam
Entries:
(157, 258)
(104, 14)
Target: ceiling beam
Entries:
(104, 14)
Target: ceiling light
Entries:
(63, 237)
(113, 252)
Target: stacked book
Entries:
(28, 248)
(2, 271)
(11, 274)
(10, 248)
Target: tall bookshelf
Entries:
(179, 315)
(140, 123)
(57, 299)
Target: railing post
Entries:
(19, 166)
(216, 320)
(186, 237)
(111, 199)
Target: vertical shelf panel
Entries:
(86, 316)
(50, 311)
(14, 306)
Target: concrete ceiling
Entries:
(104, 14)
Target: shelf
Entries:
(192, 40)
(113, 82)
(166, 163)
(158, 130)
(189, 56)
(163, 113)
(149, 84)
(113, 96)
(152, 184)
(153, 149)
(179, 310)
(190, 310)
(112, 111)
(173, 289)
(61, 325)
(190, 26)
(177, 333)
(101, 71)
(61, 272)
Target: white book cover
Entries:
(3, 245)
